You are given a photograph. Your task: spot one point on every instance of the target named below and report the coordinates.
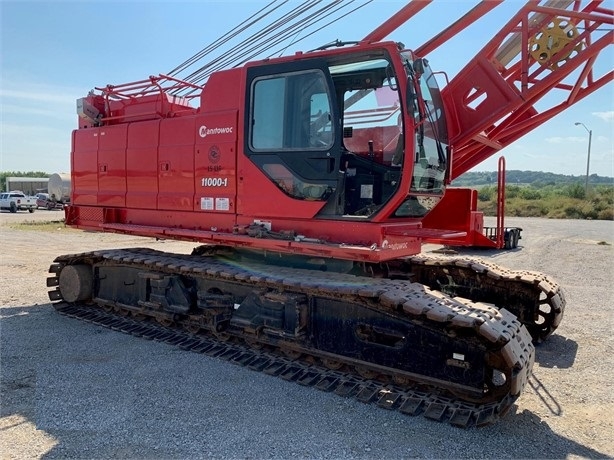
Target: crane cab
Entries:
(361, 133)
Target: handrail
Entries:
(155, 84)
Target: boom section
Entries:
(555, 48)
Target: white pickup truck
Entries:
(16, 201)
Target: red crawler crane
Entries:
(334, 160)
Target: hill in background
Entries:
(534, 178)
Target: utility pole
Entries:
(588, 156)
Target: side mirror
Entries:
(419, 65)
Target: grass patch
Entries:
(45, 226)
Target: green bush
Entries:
(575, 191)
(606, 214)
(529, 193)
(573, 212)
(512, 191)
(487, 193)
(554, 202)
(519, 207)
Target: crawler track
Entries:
(535, 299)
(457, 348)
(432, 403)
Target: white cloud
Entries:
(605, 116)
(564, 140)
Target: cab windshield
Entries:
(430, 139)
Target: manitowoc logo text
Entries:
(203, 131)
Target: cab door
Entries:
(292, 142)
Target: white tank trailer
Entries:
(59, 187)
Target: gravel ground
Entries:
(76, 390)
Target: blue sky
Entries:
(55, 52)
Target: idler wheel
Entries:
(164, 321)
(291, 354)
(366, 373)
(332, 364)
(222, 336)
(192, 327)
(76, 283)
(401, 380)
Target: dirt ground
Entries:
(566, 412)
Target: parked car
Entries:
(43, 200)
(16, 201)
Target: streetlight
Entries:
(588, 157)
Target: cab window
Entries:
(291, 112)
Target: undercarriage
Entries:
(379, 336)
